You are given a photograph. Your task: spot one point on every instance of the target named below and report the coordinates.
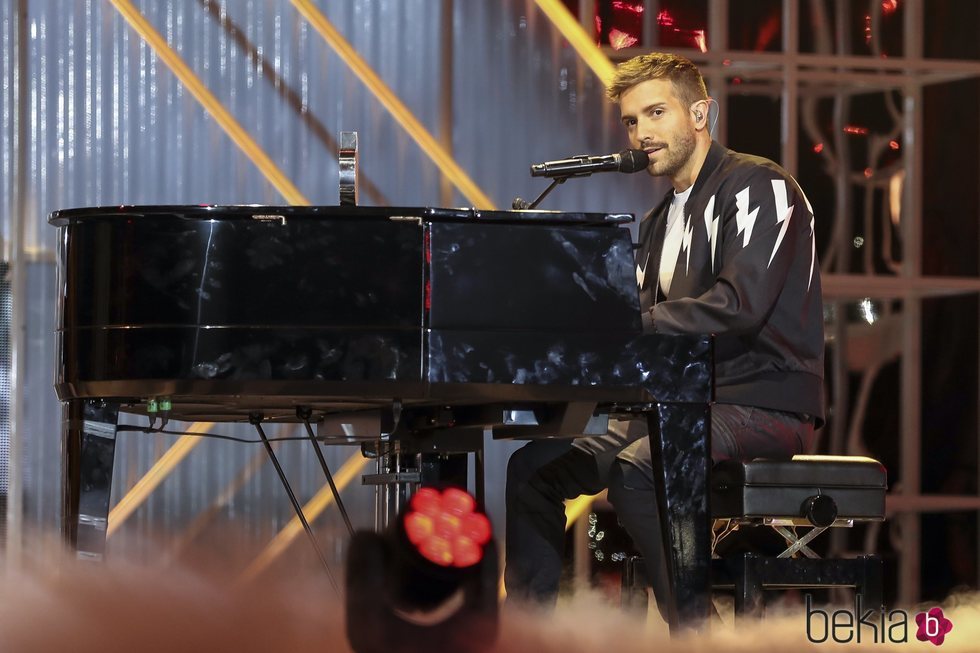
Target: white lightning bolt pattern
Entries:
(813, 251)
(686, 243)
(711, 228)
(783, 213)
(743, 218)
(641, 273)
(813, 240)
(805, 200)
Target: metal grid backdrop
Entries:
(104, 121)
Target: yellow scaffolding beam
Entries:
(571, 29)
(429, 145)
(205, 517)
(156, 474)
(142, 489)
(350, 469)
(210, 103)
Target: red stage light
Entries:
(700, 40)
(476, 527)
(466, 552)
(427, 501)
(419, 527)
(458, 502)
(619, 40)
(627, 6)
(445, 528)
(818, 148)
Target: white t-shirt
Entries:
(673, 239)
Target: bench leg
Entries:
(869, 585)
(633, 594)
(747, 575)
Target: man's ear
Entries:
(699, 110)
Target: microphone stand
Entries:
(520, 205)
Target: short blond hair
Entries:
(680, 71)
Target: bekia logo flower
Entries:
(933, 626)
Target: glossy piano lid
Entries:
(64, 217)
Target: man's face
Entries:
(658, 122)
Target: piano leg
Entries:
(680, 444)
(89, 441)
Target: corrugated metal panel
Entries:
(110, 124)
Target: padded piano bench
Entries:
(815, 492)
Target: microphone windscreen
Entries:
(633, 160)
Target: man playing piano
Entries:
(729, 251)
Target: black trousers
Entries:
(544, 473)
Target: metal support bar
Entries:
(392, 483)
(326, 471)
(911, 374)
(256, 421)
(278, 545)
(15, 254)
(798, 544)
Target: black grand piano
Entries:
(410, 325)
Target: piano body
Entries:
(419, 326)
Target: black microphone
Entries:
(583, 165)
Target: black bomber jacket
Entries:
(748, 274)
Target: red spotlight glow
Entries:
(700, 40)
(665, 19)
(419, 527)
(868, 172)
(889, 7)
(856, 130)
(893, 144)
(619, 40)
(466, 552)
(818, 148)
(627, 6)
(458, 502)
(445, 528)
(427, 501)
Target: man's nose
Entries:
(643, 132)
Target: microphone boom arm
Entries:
(582, 166)
(522, 205)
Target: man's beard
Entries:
(677, 156)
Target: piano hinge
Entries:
(406, 218)
(261, 217)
